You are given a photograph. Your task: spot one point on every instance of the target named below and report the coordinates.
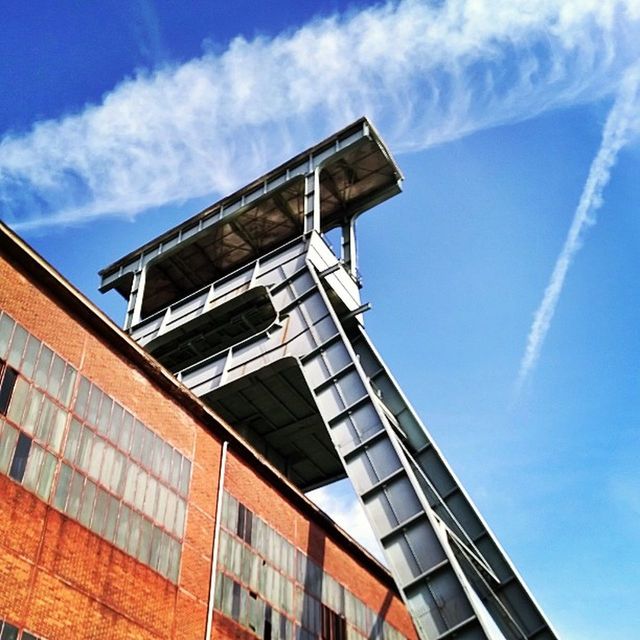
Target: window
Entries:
(92, 459)
(334, 627)
(8, 381)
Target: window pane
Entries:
(84, 450)
(9, 632)
(122, 534)
(105, 414)
(138, 435)
(30, 356)
(96, 457)
(130, 484)
(6, 327)
(170, 514)
(140, 489)
(32, 468)
(58, 421)
(100, 511)
(7, 382)
(134, 533)
(179, 524)
(42, 369)
(82, 397)
(94, 405)
(55, 376)
(107, 464)
(124, 437)
(66, 389)
(75, 493)
(62, 490)
(116, 422)
(18, 400)
(17, 346)
(7, 446)
(73, 438)
(46, 476)
(185, 475)
(44, 423)
(116, 482)
(150, 496)
(175, 468)
(20, 456)
(161, 504)
(86, 506)
(30, 417)
(112, 515)
(147, 448)
(144, 548)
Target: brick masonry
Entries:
(61, 581)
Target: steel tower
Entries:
(251, 309)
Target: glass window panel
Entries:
(84, 450)
(42, 368)
(175, 469)
(18, 400)
(32, 468)
(150, 497)
(7, 383)
(141, 486)
(73, 438)
(112, 518)
(185, 476)
(46, 476)
(100, 511)
(147, 448)
(156, 547)
(122, 534)
(116, 482)
(138, 435)
(158, 450)
(165, 464)
(30, 416)
(163, 562)
(144, 548)
(95, 461)
(19, 462)
(44, 422)
(30, 356)
(66, 389)
(124, 437)
(6, 328)
(75, 493)
(130, 484)
(18, 342)
(62, 490)
(82, 397)
(107, 465)
(56, 375)
(94, 405)
(135, 521)
(86, 506)
(170, 514)
(173, 570)
(161, 503)
(105, 414)
(180, 512)
(116, 422)
(9, 632)
(56, 434)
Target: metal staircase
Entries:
(253, 311)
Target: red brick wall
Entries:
(61, 581)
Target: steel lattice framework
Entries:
(249, 306)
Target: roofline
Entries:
(361, 123)
(15, 249)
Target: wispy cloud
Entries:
(623, 123)
(425, 72)
(339, 501)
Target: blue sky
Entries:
(120, 119)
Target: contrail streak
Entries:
(623, 123)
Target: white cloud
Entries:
(424, 73)
(623, 124)
(340, 502)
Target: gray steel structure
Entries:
(251, 309)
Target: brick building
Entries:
(110, 484)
